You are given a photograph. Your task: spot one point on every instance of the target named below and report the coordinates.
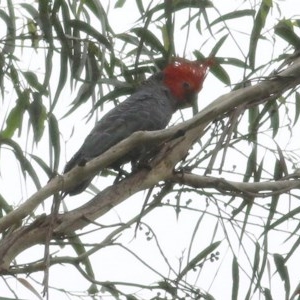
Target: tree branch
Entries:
(162, 166)
(261, 189)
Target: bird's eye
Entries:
(186, 85)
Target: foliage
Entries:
(230, 207)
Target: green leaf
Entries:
(268, 295)
(3, 73)
(26, 166)
(33, 32)
(297, 107)
(65, 15)
(283, 273)
(9, 46)
(110, 287)
(43, 165)
(48, 70)
(258, 171)
(14, 77)
(274, 118)
(295, 245)
(271, 107)
(140, 6)
(15, 117)
(88, 29)
(235, 279)
(92, 67)
(85, 91)
(114, 94)
(232, 61)
(128, 38)
(168, 287)
(177, 6)
(285, 29)
(292, 213)
(31, 10)
(128, 297)
(234, 15)
(216, 69)
(4, 206)
(249, 204)
(149, 38)
(272, 210)
(79, 248)
(281, 168)
(251, 165)
(79, 55)
(38, 115)
(45, 23)
(96, 7)
(259, 24)
(28, 286)
(219, 72)
(33, 81)
(254, 268)
(5, 298)
(198, 258)
(120, 3)
(264, 264)
(66, 54)
(217, 46)
(54, 139)
(254, 118)
(63, 75)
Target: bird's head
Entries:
(184, 79)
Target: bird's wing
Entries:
(144, 110)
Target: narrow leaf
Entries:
(235, 279)
(217, 46)
(297, 107)
(285, 29)
(88, 29)
(234, 15)
(259, 24)
(15, 117)
(33, 81)
(26, 283)
(120, 3)
(43, 165)
(198, 258)
(283, 273)
(254, 269)
(37, 114)
(274, 118)
(150, 39)
(31, 10)
(4, 206)
(54, 139)
(45, 23)
(251, 165)
(26, 166)
(9, 45)
(267, 294)
(220, 73)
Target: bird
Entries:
(149, 108)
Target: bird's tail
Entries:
(77, 160)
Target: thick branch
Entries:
(260, 188)
(161, 169)
(283, 81)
